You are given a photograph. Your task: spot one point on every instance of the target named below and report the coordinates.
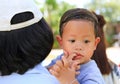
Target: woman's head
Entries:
(24, 43)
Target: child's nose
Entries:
(78, 46)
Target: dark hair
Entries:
(100, 53)
(78, 14)
(22, 49)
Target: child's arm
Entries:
(65, 72)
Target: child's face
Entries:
(78, 37)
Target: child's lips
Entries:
(78, 56)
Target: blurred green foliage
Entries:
(110, 9)
(53, 11)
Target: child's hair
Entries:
(100, 53)
(22, 49)
(78, 14)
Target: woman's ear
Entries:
(59, 39)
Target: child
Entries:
(79, 38)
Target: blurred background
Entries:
(110, 9)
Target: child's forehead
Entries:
(78, 27)
(79, 23)
(71, 22)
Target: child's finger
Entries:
(77, 61)
(56, 68)
(66, 54)
(65, 62)
(77, 72)
(70, 57)
(59, 63)
(54, 72)
(75, 65)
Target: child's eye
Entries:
(72, 41)
(86, 41)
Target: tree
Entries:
(53, 11)
(110, 9)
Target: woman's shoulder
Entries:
(28, 79)
(37, 75)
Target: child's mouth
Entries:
(78, 56)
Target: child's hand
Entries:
(63, 71)
(73, 63)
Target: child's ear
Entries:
(97, 40)
(59, 39)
